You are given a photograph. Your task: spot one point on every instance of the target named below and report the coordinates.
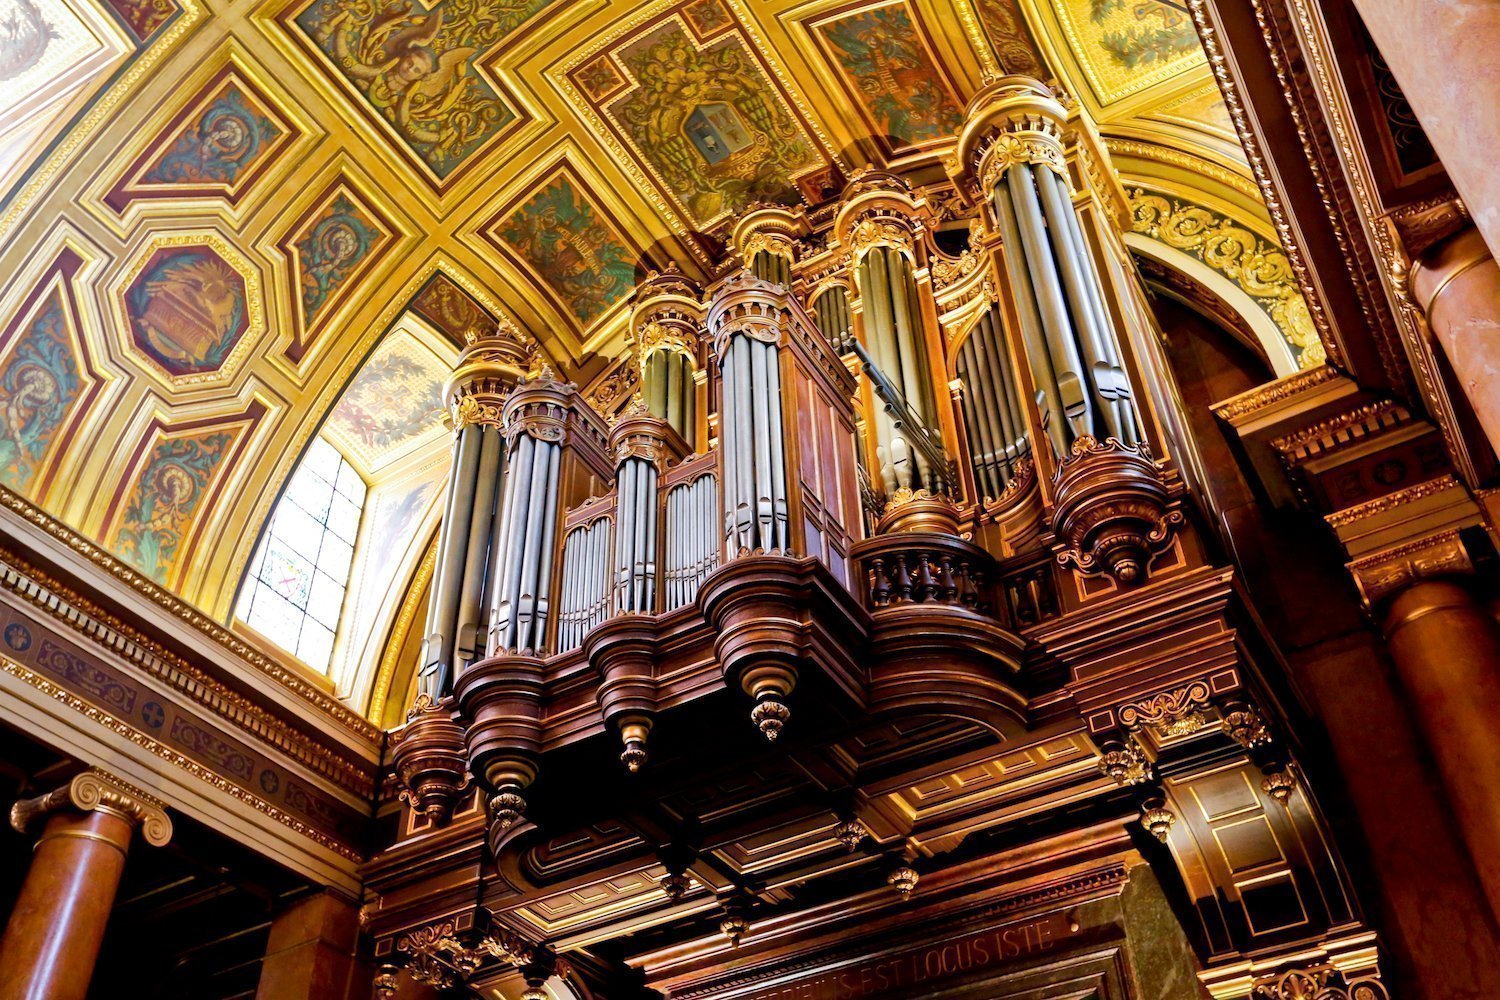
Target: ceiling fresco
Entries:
(230, 225)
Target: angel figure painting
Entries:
(417, 67)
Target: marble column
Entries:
(1446, 648)
(1444, 55)
(57, 926)
(1456, 283)
(312, 952)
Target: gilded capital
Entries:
(487, 369)
(99, 791)
(1013, 120)
(879, 209)
(770, 228)
(743, 303)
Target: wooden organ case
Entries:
(888, 486)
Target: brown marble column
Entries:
(311, 953)
(1456, 283)
(1446, 648)
(1445, 56)
(57, 926)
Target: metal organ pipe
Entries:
(1111, 390)
(585, 597)
(463, 546)
(831, 310)
(470, 632)
(1062, 343)
(1070, 341)
(893, 326)
(992, 408)
(750, 420)
(518, 621)
(1049, 399)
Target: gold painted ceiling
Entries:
(231, 224)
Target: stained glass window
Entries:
(295, 591)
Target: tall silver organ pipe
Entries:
(691, 550)
(534, 423)
(1082, 388)
(994, 417)
(638, 445)
(745, 320)
(831, 311)
(668, 390)
(458, 608)
(585, 583)
(894, 338)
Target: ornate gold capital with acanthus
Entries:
(1013, 120)
(99, 791)
(487, 370)
(771, 228)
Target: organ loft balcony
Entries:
(882, 559)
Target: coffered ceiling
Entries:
(231, 221)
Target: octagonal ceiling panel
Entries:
(192, 305)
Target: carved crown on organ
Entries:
(858, 418)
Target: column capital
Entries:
(1406, 536)
(1014, 119)
(98, 790)
(488, 369)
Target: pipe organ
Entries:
(827, 491)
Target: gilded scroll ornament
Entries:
(1173, 713)
(1317, 983)
(1259, 268)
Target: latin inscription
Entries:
(906, 974)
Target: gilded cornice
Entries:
(168, 602)
(175, 759)
(97, 627)
(1274, 393)
(1219, 63)
(1188, 162)
(1391, 501)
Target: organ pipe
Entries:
(668, 391)
(585, 590)
(755, 491)
(993, 414)
(894, 338)
(534, 425)
(831, 310)
(1076, 362)
(691, 551)
(458, 606)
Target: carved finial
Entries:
(770, 716)
(850, 833)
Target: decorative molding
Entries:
(192, 617)
(97, 627)
(175, 759)
(1382, 574)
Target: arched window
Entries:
(294, 593)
